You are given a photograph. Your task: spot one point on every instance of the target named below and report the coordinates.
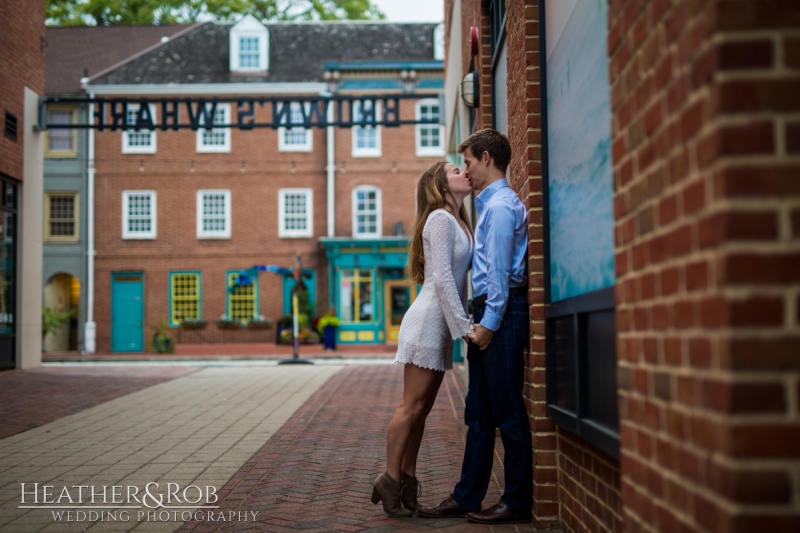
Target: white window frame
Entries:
(288, 233)
(355, 213)
(427, 150)
(366, 152)
(226, 233)
(249, 27)
(139, 235)
(216, 148)
(308, 146)
(126, 148)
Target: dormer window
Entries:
(249, 46)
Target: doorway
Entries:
(398, 297)
(62, 294)
(127, 312)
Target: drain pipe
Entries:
(90, 332)
(331, 168)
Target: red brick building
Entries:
(698, 170)
(179, 214)
(22, 73)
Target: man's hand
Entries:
(480, 336)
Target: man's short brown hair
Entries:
(491, 141)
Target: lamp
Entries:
(470, 89)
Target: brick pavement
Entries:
(315, 474)
(31, 398)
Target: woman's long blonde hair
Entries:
(432, 192)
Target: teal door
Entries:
(311, 285)
(127, 312)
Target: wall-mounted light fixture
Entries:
(470, 89)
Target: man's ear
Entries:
(486, 158)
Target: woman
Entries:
(439, 258)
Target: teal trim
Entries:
(370, 84)
(199, 294)
(430, 84)
(384, 65)
(228, 294)
(127, 312)
(311, 284)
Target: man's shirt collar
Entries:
(486, 194)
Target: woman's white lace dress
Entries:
(439, 314)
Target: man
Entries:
(496, 350)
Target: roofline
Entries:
(144, 51)
(331, 22)
(209, 88)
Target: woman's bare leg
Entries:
(420, 386)
(409, 463)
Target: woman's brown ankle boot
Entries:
(387, 490)
(411, 490)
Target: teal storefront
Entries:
(368, 288)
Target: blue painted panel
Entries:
(579, 152)
(127, 312)
(430, 84)
(311, 284)
(371, 84)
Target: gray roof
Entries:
(298, 52)
(72, 49)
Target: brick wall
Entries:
(253, 171)
(21, 65)
(705, 98)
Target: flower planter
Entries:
(228, 325)
(201, 324)
(259, 325)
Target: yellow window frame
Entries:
(62, 154)
(356, 278)
(181, 299)
(242, 302)
(61, 239)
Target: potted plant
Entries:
(162, 342)
(259, 322)
(327, 325)
(53, 320)
(193, 323)
(226, 322)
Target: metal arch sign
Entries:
(194, 113)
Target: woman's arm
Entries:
(441, 232)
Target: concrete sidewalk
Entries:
(283, 448)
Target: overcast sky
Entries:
(412, 10)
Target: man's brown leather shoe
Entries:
(499, 514)
(447, 509)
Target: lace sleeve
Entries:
(441, 234)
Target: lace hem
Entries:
(410, 357)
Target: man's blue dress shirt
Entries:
(501, 248)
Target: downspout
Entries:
(331, 168)
(90, 333)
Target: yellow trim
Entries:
(393, 332)
(243, 295)
(356, 279)
(62, 239)
(177, 301)
(355, 250)
(62, 154)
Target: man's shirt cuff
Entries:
(491, 320)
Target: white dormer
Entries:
(249, 46)
(438, 42)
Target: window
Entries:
(295, 139)
(61, 217)
(366, 212)
(356, 296)
(295, 213)
(184, 297)
(216, 139)
(366, 139)
(248, 52)
(139, 215)
(214, 214)
(249, 46)
(60, 143)
(429, 136)
(242, 299)
(139, 141)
